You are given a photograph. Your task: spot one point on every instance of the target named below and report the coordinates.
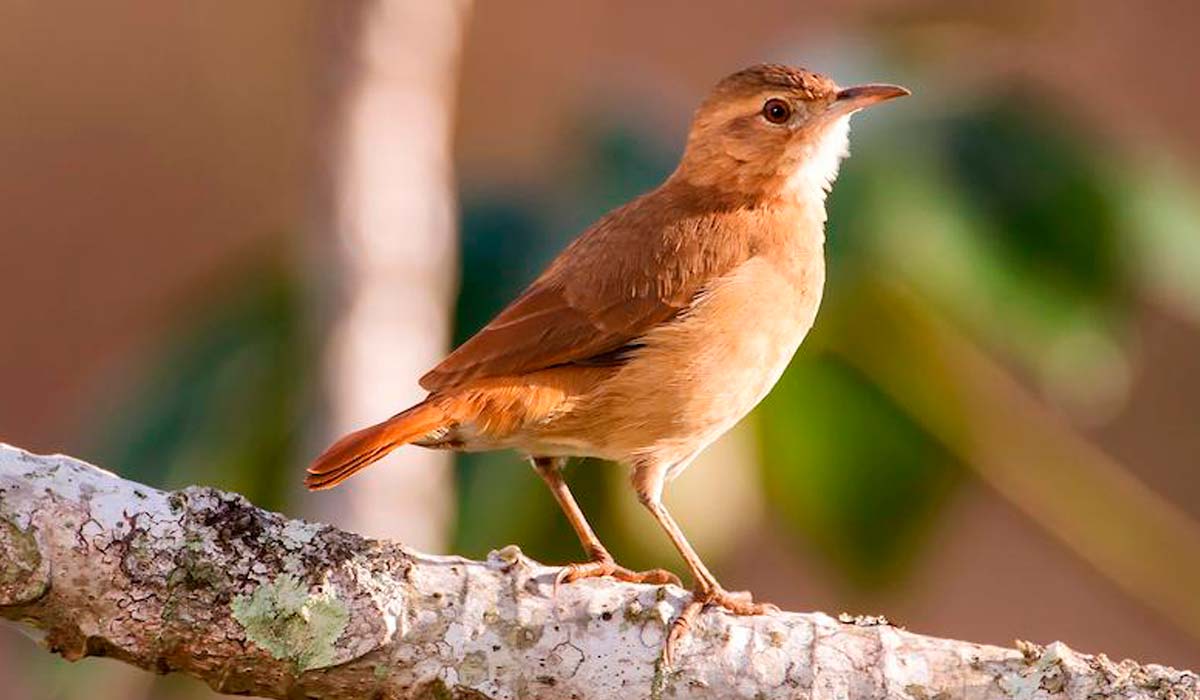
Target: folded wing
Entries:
(633, 270)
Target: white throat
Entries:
(818, 167)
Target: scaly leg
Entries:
(648, 481)
(600, 562)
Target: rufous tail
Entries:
(360, 449)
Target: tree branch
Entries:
(202, 582)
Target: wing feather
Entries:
(638, 267)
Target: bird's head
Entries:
(774, 131)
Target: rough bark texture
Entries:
(202, 582)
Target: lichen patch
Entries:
(23, 575)
(290, 623)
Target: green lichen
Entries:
(658, 684)
(289, 623)
(513, 633)
(920, 693)
(635, 612)
(438, 690)
(474, 668)
(195, 569)
(20, 562)
(521, 637)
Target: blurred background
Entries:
(231, 231)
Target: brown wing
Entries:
(636, 268)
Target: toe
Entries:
(591, 569)
(680, 629)
(662, 577)
(739, 603)
(736, 597)
(656, 577)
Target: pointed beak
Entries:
(852, 99)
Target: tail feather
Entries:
(360, 449)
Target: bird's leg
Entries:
(600, 562)
(648, 481)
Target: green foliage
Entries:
(502, 501)
(1007, 219)
(1046, 193)
(1161, 213)
(849, 470)
(503, 248)
(225, 401)
(621, 164)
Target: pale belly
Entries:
(699, 375)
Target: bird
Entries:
(661, 326)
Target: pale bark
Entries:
(201, 582)
(387, 245)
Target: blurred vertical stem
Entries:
(386, 245)
(1016, 444)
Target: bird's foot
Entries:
(605, 566)
(737, 602)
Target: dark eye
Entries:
(777, 111)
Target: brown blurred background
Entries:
(200, 264)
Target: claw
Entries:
(680, 627)
(738, 603)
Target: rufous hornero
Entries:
(661, 326)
